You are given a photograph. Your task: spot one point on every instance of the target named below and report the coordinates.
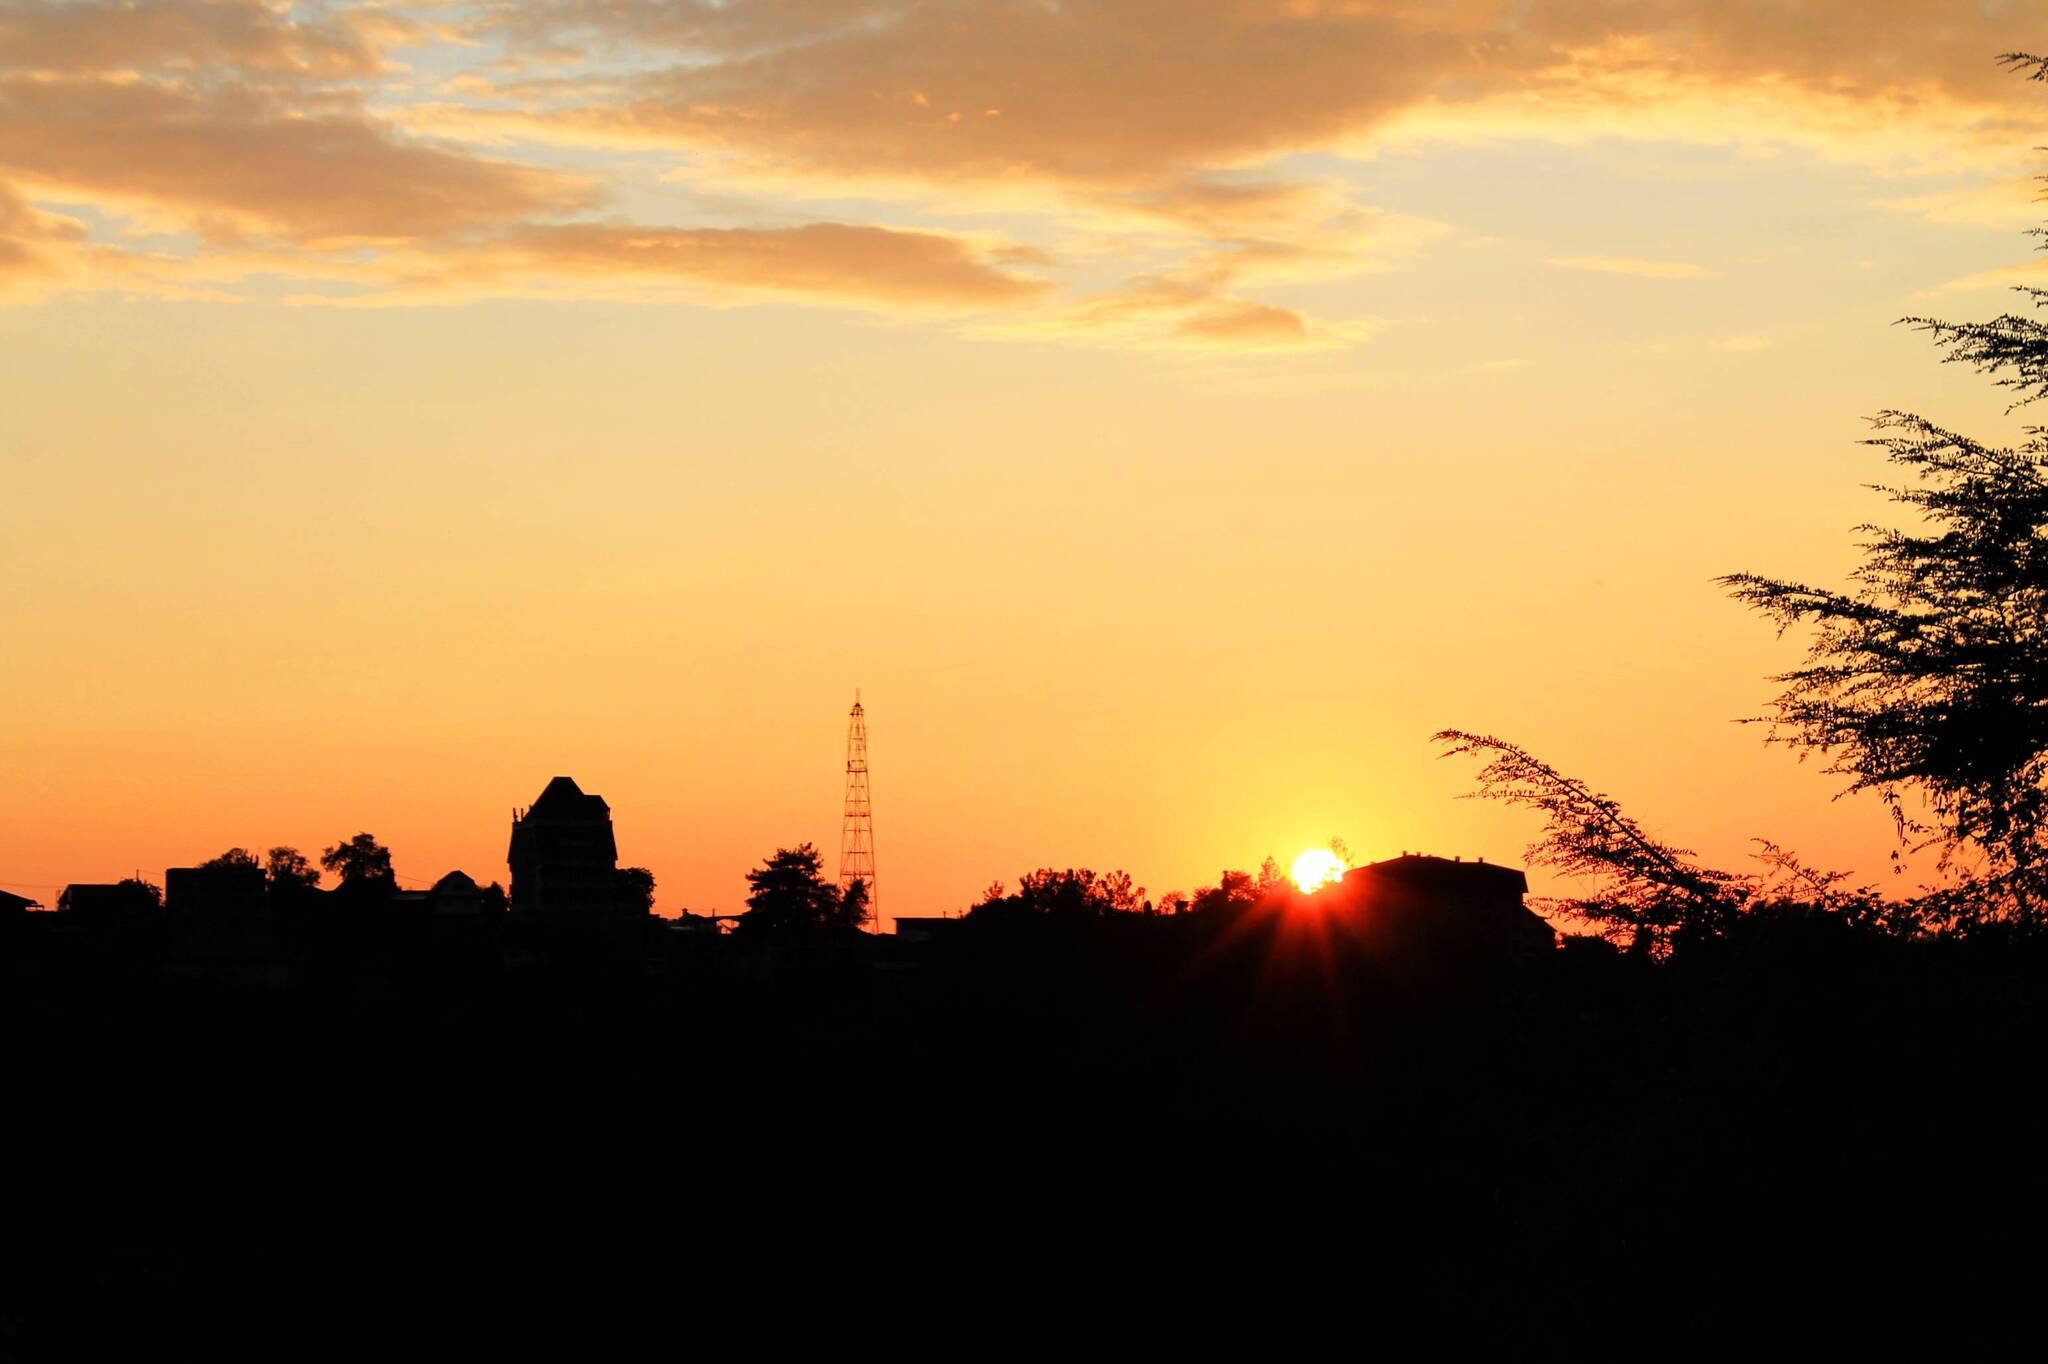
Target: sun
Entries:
(1316, 868)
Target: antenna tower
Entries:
(857, 831)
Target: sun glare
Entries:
(1316, 868)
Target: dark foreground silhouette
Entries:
(1394, 1106)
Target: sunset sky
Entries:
(1168, 413)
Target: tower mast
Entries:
(857, 829)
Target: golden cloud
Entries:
(1135, 94)
(31, 242)
(244, 35)
(1241, 322)
(234, 163)
(1192, 311)
(2028, 276)
(1151, 132)
(819, 262)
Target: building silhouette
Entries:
(567, 896)
(1444, 903)
(219, 913)
(106, 901)
(564, 858)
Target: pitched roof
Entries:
(564, 799)
(1443, 874)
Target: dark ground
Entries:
(1091, 1136)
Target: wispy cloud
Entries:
(2032, 274)
(1633, 265)
(818, 262)
(237, 163)
(193, 35)
(2006, 204)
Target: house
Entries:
(122, 919)
(107, 901)
(220, 912)
(1450, 905)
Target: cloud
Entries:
(2032, 274)
(1139, 92)
(239, 125)
(44, 255)
(236, 162)
(235, 120)
(1184, 312)
(244, 35)
(1159, 128)
(1160, 143)
(33, 244)
(1632, 265)
(1109, 95)
(1237, 323)
(2005, 204)
(1226, 204)
(819, 262)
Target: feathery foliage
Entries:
(1930, 675)
(1647, 892)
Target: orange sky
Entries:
(1169, 413)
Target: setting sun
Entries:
(1316, 868)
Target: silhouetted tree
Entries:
(235, 872)
(1119, 893)
(636, 889)
(288, 869)
(1647, 894)
(361, 861)
(789, 894)
(142, 890)
(1233, 890)
(853, 909)
(1930, 674)
(1075, 893)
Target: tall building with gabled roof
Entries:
(564, 858)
